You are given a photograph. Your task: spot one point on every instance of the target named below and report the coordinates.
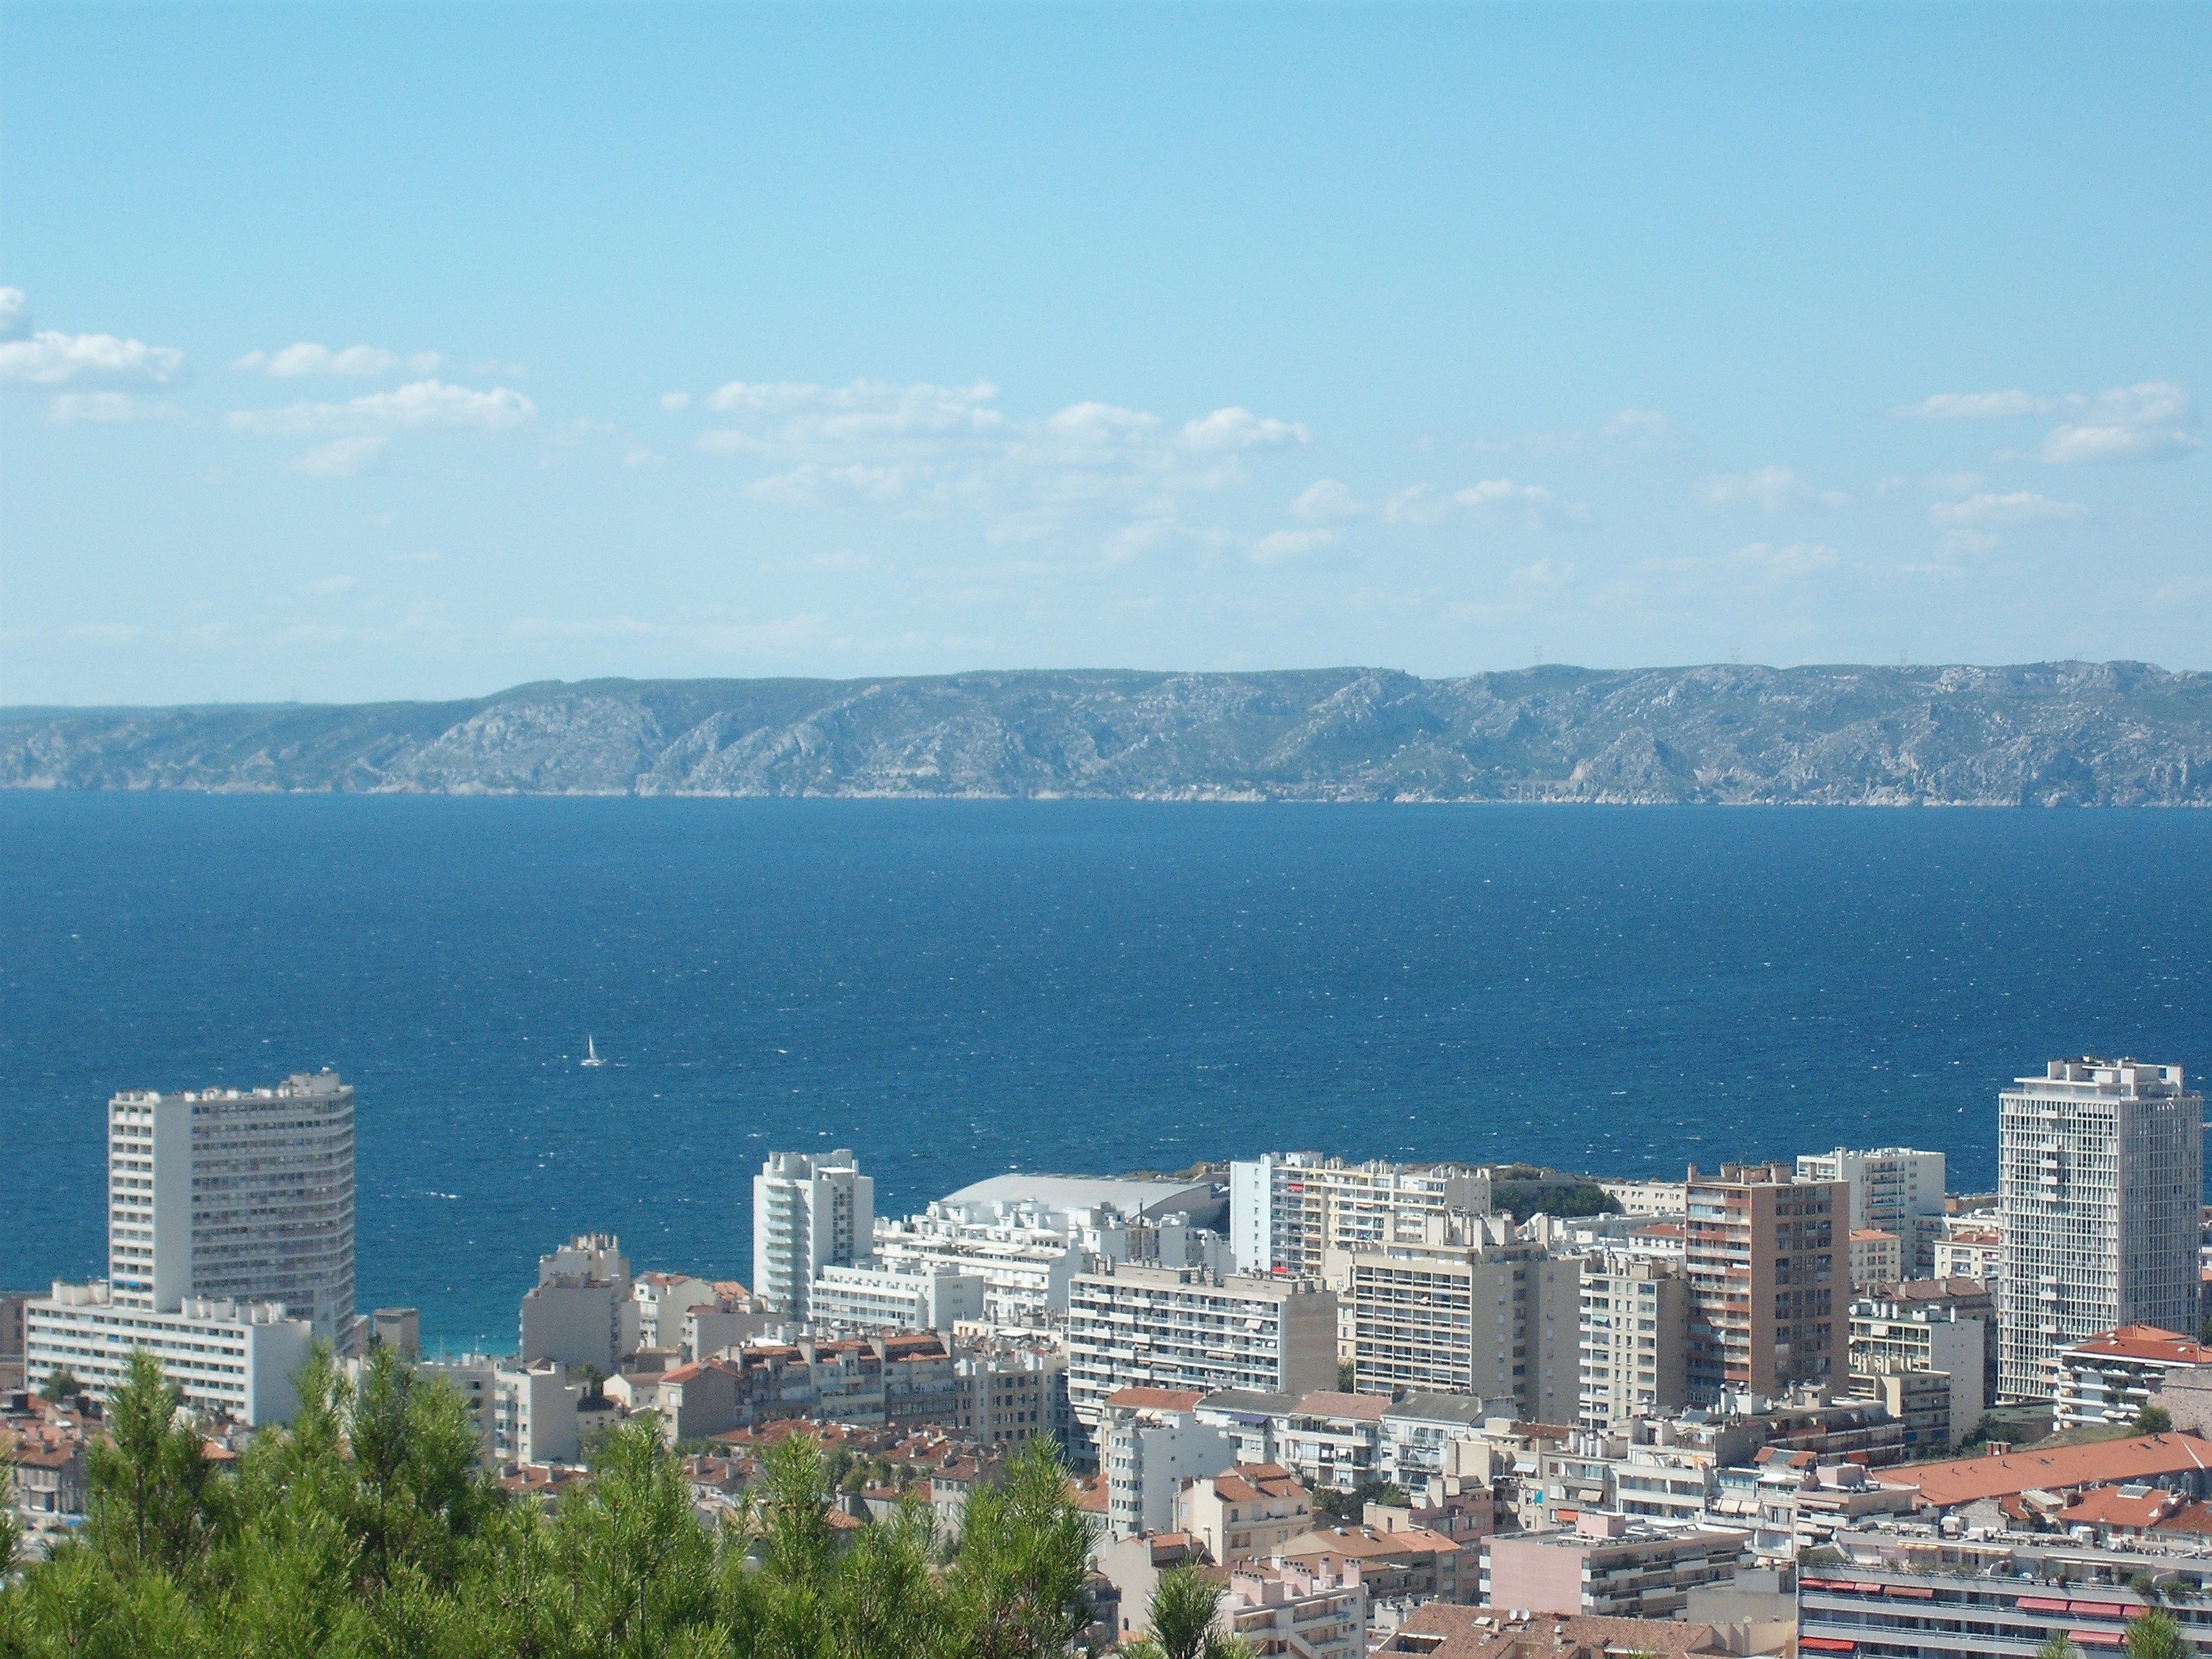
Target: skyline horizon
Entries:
(1327, 668)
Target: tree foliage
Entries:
(367, 1530)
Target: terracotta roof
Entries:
(2142, 1342)
(1156, 1399)
(2190, 1517)
(2112, 1506)
(1094, 1498)
(1365, 1544)
(2059, 1468)
(1328, 1402)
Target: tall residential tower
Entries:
(2101, 1173)
(808, 1213)
(240, 1193)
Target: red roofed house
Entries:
(2180, 1461)
(2108, 1377)
(1243, 1514)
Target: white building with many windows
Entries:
(2101, 1180)
(1894, 1189)
(229, 1358)
(807, 1213)
(910, 1296)
(243, 1194)
(1184, 1329)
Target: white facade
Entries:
(1182, 1328)
(1146, 1455)
(1649, 1198)
(1894, 1189)
(664, 1302)
(1471, 1307)
(1976, 1252)
(808, 1213)
(2100, 1179)
(246, 1194)
(232, 1358)
(1888, 1337)
(903, 1296)
(581, 1311)
(1301, 1215)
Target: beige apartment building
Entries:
(1244, 1514)
(1635, 1330)
(1768, 1263)
(1469, 1310)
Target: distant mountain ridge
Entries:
(2063, 733)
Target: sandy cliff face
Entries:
(2043, 734)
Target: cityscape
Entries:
(1387, 1406)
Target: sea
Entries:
(956, 989)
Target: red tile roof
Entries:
(2060, 1469)
(1155, 1399)
(2144, 1342)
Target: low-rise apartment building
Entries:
(1608, 1566)
(229, 1358)
(1888, 1336)
(2108, 1378)
(1287, 1608)
(1184, 1329)
(1149, 1441)
(1243, 1514)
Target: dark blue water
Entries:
(955, 989)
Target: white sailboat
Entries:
(591, 1054)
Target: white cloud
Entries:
(1498, 492)
(1977, 406)
(107, 407)
(672, 400)
(923, 449)
(344, 458)
(1969, 541)
(2068, 444)
(2152, 420)
(1641, 426)
(330, 585)
(638, 457)
(1095, 426)
(1283, 545)
(791, 415)
(1769, 488)
(2021, 507)
(1796, 559)
(1419, 504)
(420, 403)
(813, 485)
(49, 358)
(1240, 429)
(305, 358)
(1545, 575)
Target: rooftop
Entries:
(2104, 1462)
(2142, 1342)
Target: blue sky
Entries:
(394, 351)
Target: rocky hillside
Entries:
(2046, 734)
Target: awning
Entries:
(1825, 1645)
(2099, 1610)
(2040, 1604)
(2096, 1638)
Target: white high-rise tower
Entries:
(245, 1194)
(2101, 1177)
(807, 1213)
